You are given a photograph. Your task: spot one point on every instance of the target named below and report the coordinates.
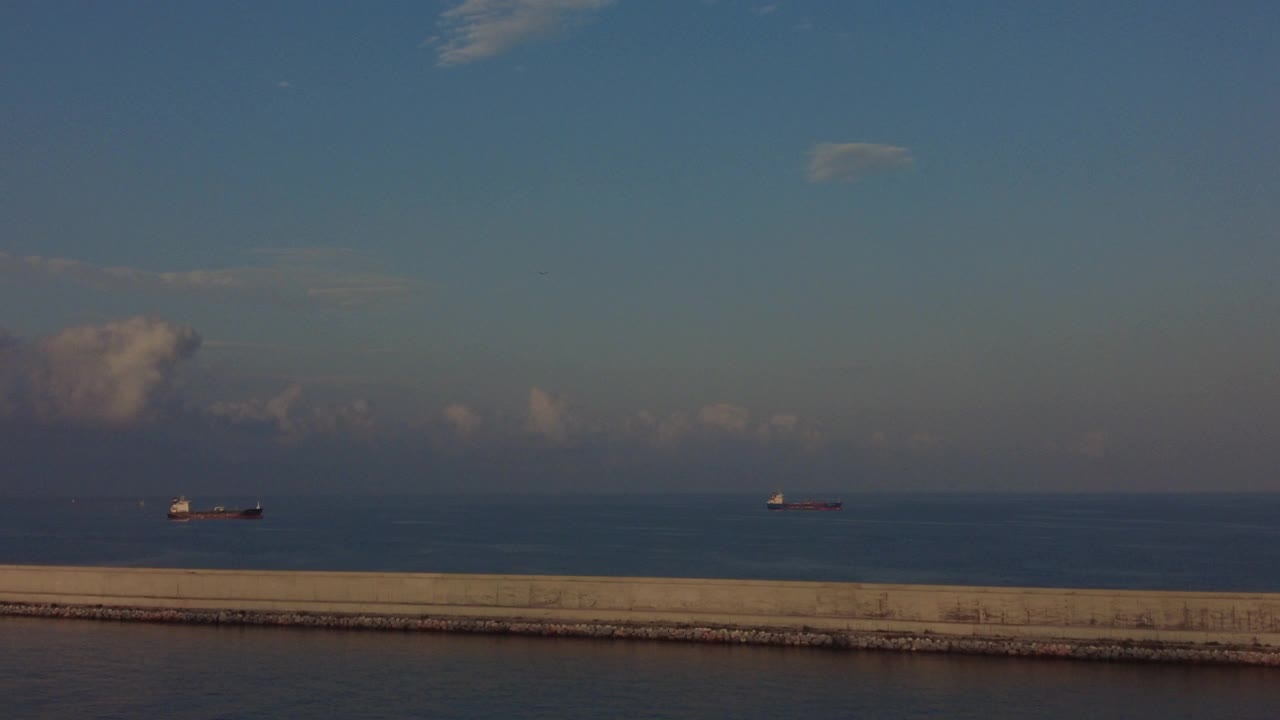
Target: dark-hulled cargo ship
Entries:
(777, 502)
(181, 510)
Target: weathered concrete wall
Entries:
(1238, 619)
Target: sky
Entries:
(623, 246)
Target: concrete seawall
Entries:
(1196, 626)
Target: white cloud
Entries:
(115, 277)
(292, 424)
(778, 425)
(829, 162)
(790, 428)
(767, 9)
(725, 417)
(350, 419)
(305, 254)
(239, 345)
(114, 374)
(721, 421)
(274, 411)
(548, 415)
(353, 295)
(479, 29)
(662, 432)
(464, 420)
(296, 274)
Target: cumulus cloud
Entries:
(12, 382)
(722, 422)
(779, 425)
(353, 418)
(479, 29)
(463, 419)
(830, 162)
(112, 374)
(784, 422)
(790, 428)
(724, 416)
(315, 275)
(662, 432)
(291, 423)
(548, 416)
(272, 411)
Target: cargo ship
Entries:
(777, 502)
(181, 510)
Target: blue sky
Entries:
(620, 245)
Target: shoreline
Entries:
(1046, 648)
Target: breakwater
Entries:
(1087, 624)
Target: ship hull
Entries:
(250, 514)
(805, 506)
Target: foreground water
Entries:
(78, 669)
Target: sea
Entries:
(85, 669)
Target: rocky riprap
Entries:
(1069, 649)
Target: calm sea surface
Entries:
(66, 669)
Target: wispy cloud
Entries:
(479, 29)
(361, 290)
(663, 432)
(314, 275)
(554, 421)
(118, 277)
(788, 426)
(305, 254)
(724, 421)
(830, 162)
(293, 424)
(240, 345)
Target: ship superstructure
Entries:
(778, 501)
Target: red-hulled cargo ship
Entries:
(777, 502)
(181, 510)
